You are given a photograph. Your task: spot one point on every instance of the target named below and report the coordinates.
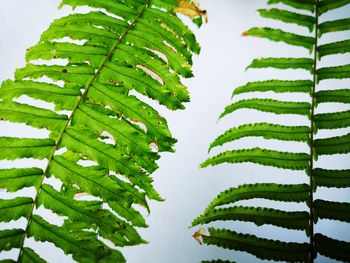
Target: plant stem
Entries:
(76, 106)
(312, 131)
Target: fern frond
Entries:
(269, 105)
(334, 26)
(277, 192)
(340, 95)
(11, 238)
(124, 47)
(339, 72)
(333, 120)
(16, 179)
(329, 5)
(224, 207)
(332, 178)
(332, 248)
(332, 210)
(279, 86)
(16, 148)
(265, 130)
(15, 208)
(257, 215)
(260, 247)
(278, 35)
(289, 17)
(308, 5)
(285, 160)
(29, 255)
(282, 63)
(334, 145)
(340, 47)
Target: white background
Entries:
(218, 70)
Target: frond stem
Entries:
(76, 106)
(312, 132)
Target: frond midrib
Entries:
(312, 131)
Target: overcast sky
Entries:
(186, 188)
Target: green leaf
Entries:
(15, 179)
(116, 8)
(340, 72)
(76, 54)
(137, 79)
(308, 5)
(11, 239)
(269, 105)
(340, 47)
(328, 5)
(63, 98)
(84, 246)
(15, 148)
(96, 36)
(32, 116)
(333, 145)
(129, 213)
(93, 180)
(90, 213)
(174, 25)
(15, 208)
(155, 67)
(332, 178)
(283, 63)
(110, 157)
(334, 26)
(276, 192)
(289, 17)
(128, 106)
(333, 120)
(332, 210)
(259, 247)
(339, 95)
(75, 76)
(332, 248)
(257, 215)
(28, 255)
(278, 35)
(265, 130)
(126, 137)
(275, 86)
(284, 160)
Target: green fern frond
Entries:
(260, 247)
(265, 130)
(257, 215)
(270, 191)
(269, 105)
(226, 206)
(340, 47)
(282, 63)
(278, 35)
(278, 86)
(332, 178)
(285, 160)
(124, 46)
